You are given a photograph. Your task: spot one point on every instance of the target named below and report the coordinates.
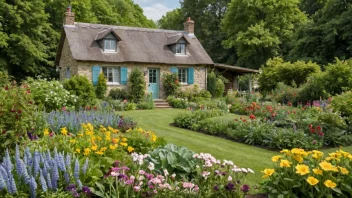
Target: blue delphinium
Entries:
(54, 176)
(43, 182)
(76, 174)
(61, 162)
(19, 167)
(85, 166)
(36, 162)
(68, 162)
(48, 179)
(33, 187)
(27, 157)
(25, 174)
(2, 182)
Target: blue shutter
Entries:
(190, 76)
(95, 74)
(173, 70)
(123, 75)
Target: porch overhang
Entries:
(235, 69)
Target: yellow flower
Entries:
(46, 132)
(99, 153)
(99, 138)
(326, 166)
(107, 138)
(103, 149)
(154, 138)
(73, 141)
(275, 158)
(115, 131)
(298, 158)
(344, 171)
(317, 154)
(268, 172)
(86, 151)
(94, 147)
(113, 147)
(297, 151)
(115, 140)
(312, 181)
(129, 130)
(123, 144)
(78, 150)
(130, 149)
(80, 134)
(64, 131)
(330, 184)
(285, 163)
(317, 171)
(124, 139)
(302, 169)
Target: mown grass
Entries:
(242, 155)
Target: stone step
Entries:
(163, 107)
(161, 104)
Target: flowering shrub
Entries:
(300, 173)
(72, 120)
(179, 103)
(50, 94)
(187, 120)
(214, 178)
(40, 172)
(17, 112)
(171, 84)
(81, 87)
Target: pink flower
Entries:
(141, 172)
(136, 188)
(187, 185)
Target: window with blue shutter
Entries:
(123, 75)
(173, 70)
(190, 76)
(95, 74)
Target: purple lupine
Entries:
(67, 177)
(76, 171)
(28, 157)
(71, 187)
(7, 162)
(68, 161)
(48, 179)
(54, 176)
(2, 182)
(11, 187)
(18, 163)
(43, 182)
(25, 174)
(48, 158)
(85, 166)
(61, 162)
(3, 173)
(86, 189)
(33, 187)
(36, 161)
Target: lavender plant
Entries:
(39, 172)
(73, 120)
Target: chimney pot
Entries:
(189, 26)
(69, 16)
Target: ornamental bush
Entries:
(17, 114)
(50, 94)
(338, 77)
(101, 88)
(136, 85)
(211, 83)
(219, 88)
(343, 103)
(83, 89)
(118, 94)
(300, 173)
(170, 83)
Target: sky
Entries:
(155, 9)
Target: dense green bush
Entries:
(118, 94)
(136, 85)
(211, 83)
(283, 94)
(146, 103)
(50, 94)
(101, 88)
(4, 79)
(83, 89)
(219, 89)
(193, 94)
(187, 120)
(338, 77)
(313, 89)
(179, 103)
(17, 114)
(343, 103)
(170, 83)
(277, 70)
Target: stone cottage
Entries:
(89, 49)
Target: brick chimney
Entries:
(189, 26)
(69, 17)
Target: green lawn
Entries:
(243, 155)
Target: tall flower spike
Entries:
(2, 182)
(3, 173)
(18, 163)
(67, 177)
(48, 158)
(36, 162)
(43, 182)
(25, 175)
(54, 176)
(85, 166)
(12, 185)
(68, 162)
(61, 162)
(76, 171)
(33, 187)
(7, 162)
(48, 179)
(28, 159)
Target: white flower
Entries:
(151, 166)
(229, 179)
(173, 175)
(250, 170)
(140, 178)
(166, 173)
(244, 170)
(205, 174)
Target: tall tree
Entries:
(310, 7)
(327, 36)
(260, 29)
(27, 40)
(173, 20)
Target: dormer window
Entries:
(178, 44)
(181, 48)
(109, 45)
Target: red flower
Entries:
(244, 120)
(318, 128)
(312, 130)
(320, 133)
(310, 126)
(28, 91)
(273, 115)
(95, 108)
(289, 104)
(252, 116)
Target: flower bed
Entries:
(300, 173)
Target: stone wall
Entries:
(67, 61)
(85, 68)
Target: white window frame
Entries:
(178, 47)
(109, 41)
(116, 75)
(180, 77)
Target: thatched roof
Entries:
(135, 45)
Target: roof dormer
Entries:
(108, 40)
(178, 44)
